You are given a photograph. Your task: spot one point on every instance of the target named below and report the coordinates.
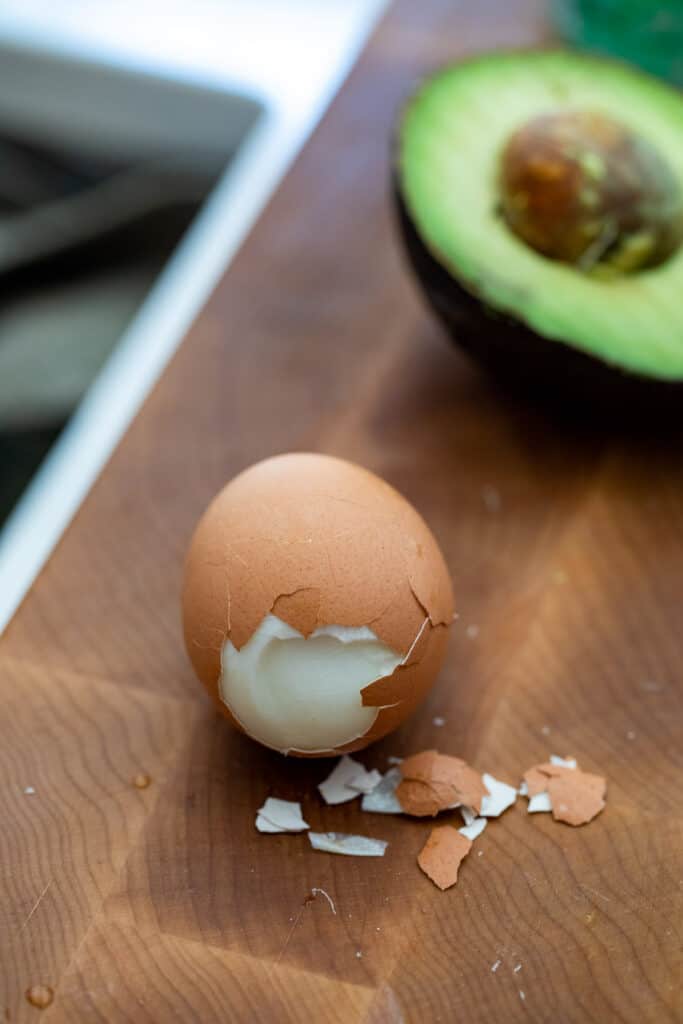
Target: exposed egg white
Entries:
(300, 694)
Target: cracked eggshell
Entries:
(319, 541)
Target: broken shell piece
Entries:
(535, 782)
(577, 797)
(468, 815)
(350, 846)
(383, 799)
(539, 802)
(422, 800)
(366, 781)
(263, 825)
(336, 787)
(473, 829)
(536, 778)
(434, 782)
(559, 786)
(500, 797)
(280, 816)
(442, 855)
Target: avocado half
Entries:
(536, 318)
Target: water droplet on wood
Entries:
(40, 996)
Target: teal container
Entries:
(645, 32)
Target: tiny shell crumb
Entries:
(29, 791)
(442, 854)
(562, 762)
(517, 968)
(468, 815)
(521, 995)
(495, 965)
(545, 730)
(438, 721)
(358, 954)
(141, 781)
(472, 631)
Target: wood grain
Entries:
(163, 904)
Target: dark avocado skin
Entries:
(550, 371)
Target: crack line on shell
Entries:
(415, 641)
(422, 606)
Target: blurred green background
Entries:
(643, 31)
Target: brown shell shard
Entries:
(536, 781)
(451, 781)
(389, 690)
(423, 799)
(442, 855)
(470, 787)
(419, 766)
(576, 796)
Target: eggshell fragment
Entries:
(539, 803)
(383, 799)
(562, 762)
(280, 816)
(536, 778)
(348, 845)
(366, 782)
(474, 829)
(442, 855)
(423, 800)
(577, 797)
(573, 796)
(335, 789)
(434, 782)
(317, 542)
(500, 796)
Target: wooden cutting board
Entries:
(162, 903)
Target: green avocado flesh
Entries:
(450, 141)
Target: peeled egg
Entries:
(316, 604)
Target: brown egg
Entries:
(316, 604)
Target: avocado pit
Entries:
(579, 187)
